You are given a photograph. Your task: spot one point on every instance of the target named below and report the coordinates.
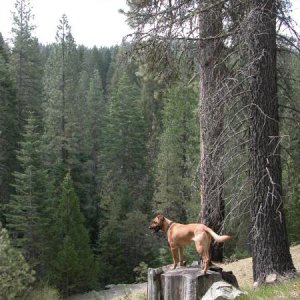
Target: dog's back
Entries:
(183, 234)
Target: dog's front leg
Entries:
(181, 262)
(174, 255)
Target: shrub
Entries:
(44, 293)
(16, 277)
(141, 272)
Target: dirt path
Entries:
(115, 292)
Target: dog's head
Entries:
(157, 223)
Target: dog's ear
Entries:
(160, 218)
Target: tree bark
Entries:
(270, 247)
(211, 115)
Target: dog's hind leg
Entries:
(204, 255)
(206, 260)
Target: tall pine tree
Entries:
(95, 111)
(61, 117)
(177, 159)
(123, 171)
(25, 215)
(72, 266)
(26, 63)
(8, 128)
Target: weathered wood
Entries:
(183, 283)
(154, 283)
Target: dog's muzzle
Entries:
(155, 228)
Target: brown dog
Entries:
(179, 235)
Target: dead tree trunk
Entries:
(211, 118)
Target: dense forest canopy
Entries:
(94, 141)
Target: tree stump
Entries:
(183, 283)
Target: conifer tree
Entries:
(123, 155)
(25, 215)
(73, 267)
(112, 260)
(95, 110)
(60, 83)
(290, 63)
(8, 128)
(26, 63)
(122, 169)
(178, 156)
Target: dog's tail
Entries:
(216, 237)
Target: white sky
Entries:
(93, 22)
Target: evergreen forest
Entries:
(94, 142)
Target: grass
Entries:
(289, 289)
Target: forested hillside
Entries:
(92, 144)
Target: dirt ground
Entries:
(242, 269)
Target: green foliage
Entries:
(290, 67)
(124, 145)
(124, 182)
(9, 134)
(43, 293)
(164, 257)
(87, 173)
(138, 243)
(26, 64)
(178, 156)
(73, 266)
(73, 118)
(26, 219)
(16, 277)
(112, 261)
(130, 143)
(293, 217)
(141, 272)
(62, 111)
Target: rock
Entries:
(195, 263)
(271, 278)
(230, 278)
(222, 290)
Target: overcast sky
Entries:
(93, 22)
